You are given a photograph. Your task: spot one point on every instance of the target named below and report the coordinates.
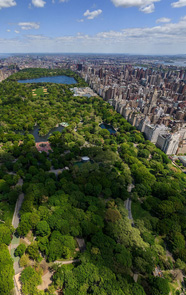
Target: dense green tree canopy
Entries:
(66, 199)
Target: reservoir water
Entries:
(54, 79)
(57, 80)
(108, 127)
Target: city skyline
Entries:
(112, 26)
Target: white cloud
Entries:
(16, 31)
(8, 30)
(180, 3)
(63, 1)
(146, 6)
(29, 25)
(92, 14)
(38, 3)
(80, 20)
(152, 40)
(7, 3)
(148, 9)
(160, 39)
(163, 20)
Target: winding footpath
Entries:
(128, 203)
(15, 240)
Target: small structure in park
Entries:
(85, 159)
(81, 244)
(64, 124)
(43, 147)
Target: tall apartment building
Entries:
(152, 132)
(168, 143)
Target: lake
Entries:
(108, 127)
(38, 138)
(54, 79)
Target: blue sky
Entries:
(106, 26)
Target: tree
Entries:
(6, 271)
(23, 228)
(143, 153)
(159, 286)
(123, 256)
(136, 289)
(33, 251)
(5, 235)
(166, 208)
(4, 187)
(34, 219)
(177, 242)
(42, 229)
(20, 250)
(30, 279)
(24, 261)
(112, 215)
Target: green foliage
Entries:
(88, 199)
(159, 286)
(60, 246)
(6, 271)
(33, 251)
(42, 229)
(5, 235)
(112, 215)
(23, 228)
(123, 256)
(24, 261)
(20, 250)
(30, 279)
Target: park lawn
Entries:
(138, 212)
(39, 91)
(30, 236)
(174, 287)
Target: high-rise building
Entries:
(79, 67)
(168, 143)
(152, 131)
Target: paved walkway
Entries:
(58, 171)
(15, 220)
(67, 262)
(46, 281)
(128, 203)
(16, 240)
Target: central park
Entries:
(64, 228)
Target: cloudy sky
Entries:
(106, 26)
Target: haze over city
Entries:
(107, 26)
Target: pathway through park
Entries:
(15, 241)
(128, 203)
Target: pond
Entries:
(80, 163)
(54, 79)
(108, 127)
(38, 138)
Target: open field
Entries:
(39, 91)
